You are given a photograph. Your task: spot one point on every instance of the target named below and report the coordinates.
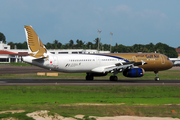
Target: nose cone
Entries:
(170, 64)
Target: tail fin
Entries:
(35, 46)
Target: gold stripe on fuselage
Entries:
(155, 61)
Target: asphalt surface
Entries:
(7, 69)
(84, 82)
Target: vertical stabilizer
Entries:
(35, 46)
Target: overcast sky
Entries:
(130, 21)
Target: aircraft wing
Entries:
(119, 67)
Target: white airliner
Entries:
(175, 61)
(130, 64)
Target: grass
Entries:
(139, 100)
(19, 116)
(16, 64)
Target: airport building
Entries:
(8, 55)
(178, 51)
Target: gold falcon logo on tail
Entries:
(35, 46)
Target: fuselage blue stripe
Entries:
(112, 56)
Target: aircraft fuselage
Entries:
(75, 63)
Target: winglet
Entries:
(35, 46)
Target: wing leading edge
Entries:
(119, 67)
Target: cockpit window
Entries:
(167, 58)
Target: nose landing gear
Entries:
(156, 78)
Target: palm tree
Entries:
(2, 38)
(71, 43)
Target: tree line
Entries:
(118, 48)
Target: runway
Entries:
(6, 82)
(7, 69)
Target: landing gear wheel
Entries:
(113, 78)
(89, 77)
(157, 79)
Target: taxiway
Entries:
(7, 69)
(5, 82)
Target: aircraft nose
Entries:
(170, 64)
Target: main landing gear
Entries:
(113, 78)
(156, 78)
(89, 77)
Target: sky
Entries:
(130, 21)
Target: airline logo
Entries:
(34, 43)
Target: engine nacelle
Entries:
(134, 72)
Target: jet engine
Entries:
(134, 72)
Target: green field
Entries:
(112, 100)
(16, 64)
(92, 100)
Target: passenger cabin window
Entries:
(79, 60)
(74, 52)
(62, 52)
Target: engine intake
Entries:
(134, 72)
